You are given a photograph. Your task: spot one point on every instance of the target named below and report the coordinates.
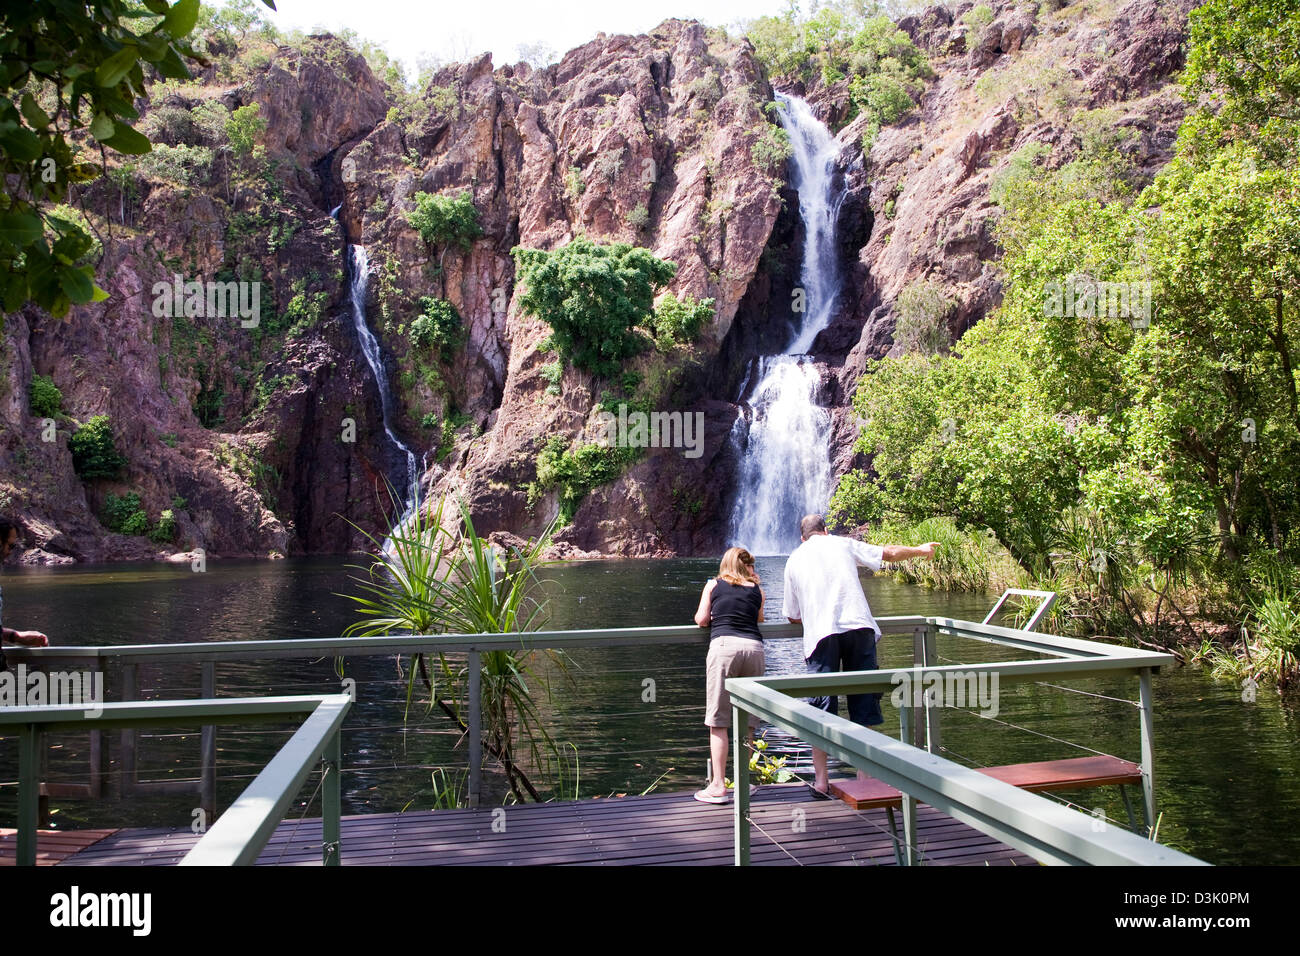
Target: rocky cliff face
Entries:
(645, 140)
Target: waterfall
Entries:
(360, 265)
(784, 468)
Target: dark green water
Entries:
(1226, 770)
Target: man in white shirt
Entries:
(823, 592)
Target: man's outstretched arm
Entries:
(894, 553)
(26, 638)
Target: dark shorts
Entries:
(849, 651)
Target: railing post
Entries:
(1148, 753)
(127, 785)
(740, 788)
(933, 707)
(332, 803)
(29, 785)
(917, 736)
(909, 802)
(97, 746)
(208, 747)
(475, 726)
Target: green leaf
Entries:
(21, 144)
(172, 66)
(99, 295)
(102, 127)
(182, 17)
(34, 114)
(15, 293)
(112, 70)
(77, 283)
(156, 6)
(127, 140)
(20, 229)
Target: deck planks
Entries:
(52, 846)
(658, 829)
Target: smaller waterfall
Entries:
(360, 265)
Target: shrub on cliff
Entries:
(835, 42)
(445, 219)
(94, 452)
(679, 320)
(574, 472)
(123, 514)
(593, 297)
(244, 129)
(45, 397)
(165, 531)
(438, 327)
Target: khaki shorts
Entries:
(729, 657)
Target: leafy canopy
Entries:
(71, 68)
(1147, 429)
(445, 219)
(593, 297)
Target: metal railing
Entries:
(208, 655)
(767, 697)
(1045, 830)
(240, 834)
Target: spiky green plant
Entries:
(427, 578)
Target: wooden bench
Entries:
(1072, 774)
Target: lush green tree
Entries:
(1245, 56)
(443, 220)
(70, 69)
(593, 297)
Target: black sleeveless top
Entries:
(733, 610)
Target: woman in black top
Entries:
(731, 607)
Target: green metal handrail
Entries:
(242, 837)
(1045, 830)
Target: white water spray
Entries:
(785, 464)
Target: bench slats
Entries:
(1070, 774)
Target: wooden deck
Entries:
(659, 829)
(52, 846)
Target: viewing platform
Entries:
(950, 813)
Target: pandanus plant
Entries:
(427, 578)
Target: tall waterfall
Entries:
(360, 265)
(785, 459)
